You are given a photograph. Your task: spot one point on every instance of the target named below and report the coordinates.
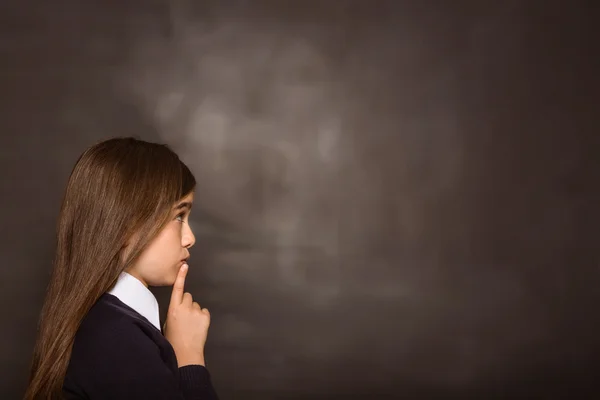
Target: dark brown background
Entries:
(396, 199)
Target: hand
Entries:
(186, 327)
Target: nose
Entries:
(187, 238)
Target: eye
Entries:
(180, 216)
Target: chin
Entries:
(167, 280)
(171, 278)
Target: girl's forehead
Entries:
(189, 197)
(185, 202)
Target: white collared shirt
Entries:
(136, 295)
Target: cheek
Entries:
(171, 238)
(167, 250)
(176, 231)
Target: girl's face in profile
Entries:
(159, 264)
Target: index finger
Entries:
(177, 293)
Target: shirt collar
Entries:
(136, 295)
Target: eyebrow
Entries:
(185, 204)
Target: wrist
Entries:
(182, 362)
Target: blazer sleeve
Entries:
(129, 366)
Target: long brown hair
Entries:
(119, 194)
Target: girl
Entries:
(123, 226)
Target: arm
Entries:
(189, 382)
(129, 366)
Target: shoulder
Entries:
(112, 341)
(105, 318)
(115, 349)
(109, 328)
